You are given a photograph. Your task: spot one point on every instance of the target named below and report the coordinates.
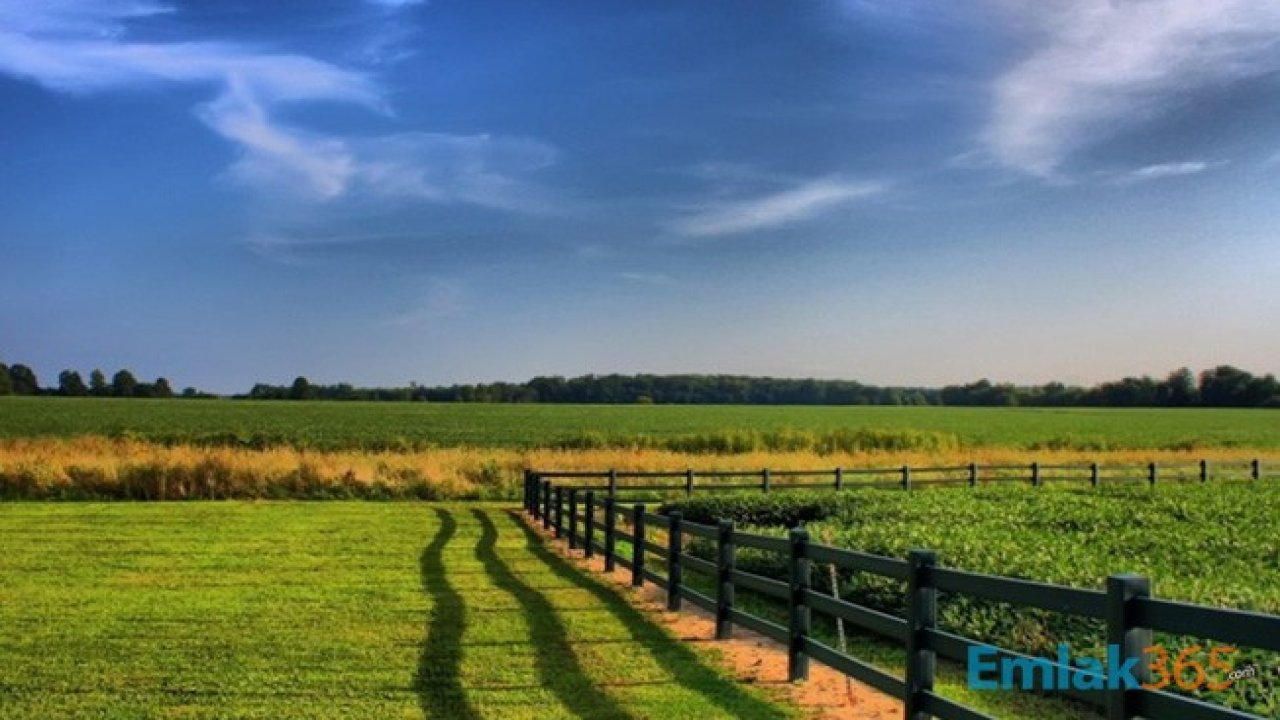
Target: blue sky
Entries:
(383, 192)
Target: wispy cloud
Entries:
(441, 298)
(83, 46)
(644, 278)
(1162, 170)
(801, 202)
(1102, 66)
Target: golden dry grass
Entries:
(101, 467)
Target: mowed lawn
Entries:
(325, 610)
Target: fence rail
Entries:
(902, 476)
(1129, 611)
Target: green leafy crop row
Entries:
(1215, 545)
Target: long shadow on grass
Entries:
(558, 666)
(686, 668)
(437, 683)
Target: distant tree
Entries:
(161, 389)
(71, 384)
(1179, 389)
(23, 380)
(1223, 386)
(124, 384)
(98, 384)
(6, 385)
(301, 389)
(1263, 391)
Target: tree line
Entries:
(21, 380)
(1223, 386)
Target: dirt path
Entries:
(752, 658)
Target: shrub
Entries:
(775, 509)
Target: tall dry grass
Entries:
(101, 468)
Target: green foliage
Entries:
(733, 442)
(775, 509)
(98, 384)
(71, 384)
(22, 380)
(369, 425)
(301, 390)
(6, 384)
(124, 384)
(1215, 544)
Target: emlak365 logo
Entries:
(989, 669)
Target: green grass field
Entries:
(1216, 545)
(338, 425)
(328, 610)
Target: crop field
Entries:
(397, 426)
(333, 610)
(1211, 545)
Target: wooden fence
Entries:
(905, 477)
(598, 523)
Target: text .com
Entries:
(1190, 669)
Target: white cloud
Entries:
(441, 298)
(802, 202)
(643, 278)
(82, 46)
(1102, 66)
(444, 168)
(1163, 170)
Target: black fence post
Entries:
(797, 658)
(547, 505)
(559, 507)
(1152, 473)
(548, 509)
(1035, 474)
(922, 616)
(610, 530)
(973, 474)
(1255, 468)
(573, 518)
(725, 560)
(1093, 474)
(675, 568)
(637, 547)
(1130, 639)
(1204, 471)
(589, 525)
(839, 478)
(906, 477)
(688, 482)
(613, 482)
(764, 480)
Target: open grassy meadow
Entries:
(398, 426)
(333, 610)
